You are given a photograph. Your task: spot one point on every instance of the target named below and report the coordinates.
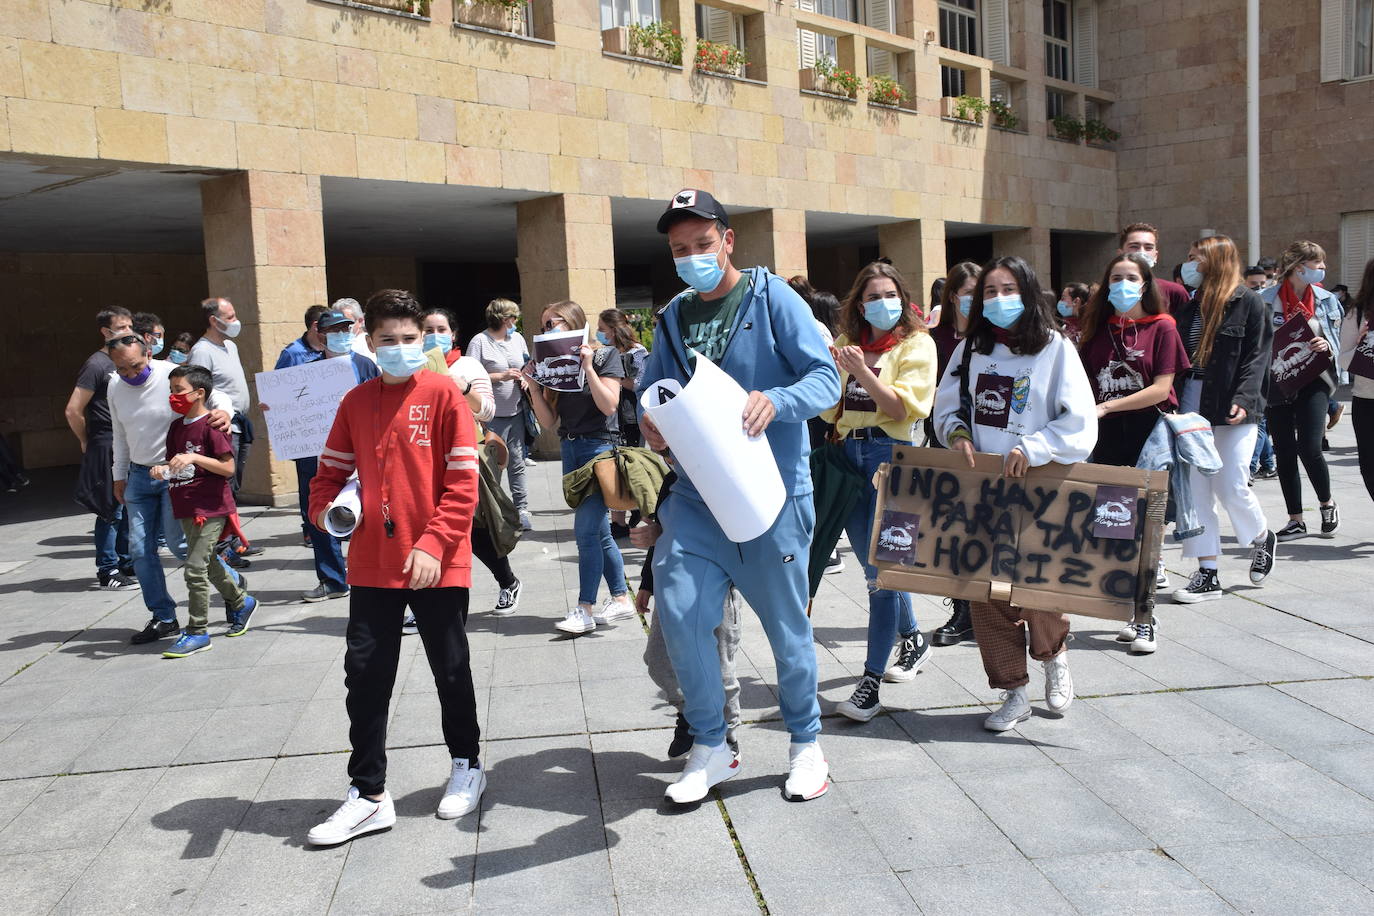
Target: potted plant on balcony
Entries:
(718, 57)
(884, 90)
(1067, 128)
(1002, 114)
(825, 76)
(1098, 133)
(501, 15)
(968, 108)
(655, 41)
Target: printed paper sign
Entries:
(300, 402)
(992, 400)
(1114, 513)
(856, 397)
(897, 534)
(557, 365)
(1295, 362)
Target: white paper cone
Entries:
(734, 473)
(344, 513)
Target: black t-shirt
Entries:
(95, 378)
(578, 414)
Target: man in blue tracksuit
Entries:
(762, 334)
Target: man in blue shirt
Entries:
(759, 331)
(328, 335)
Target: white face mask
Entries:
(229, 329)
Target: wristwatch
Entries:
(468, 388)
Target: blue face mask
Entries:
(883, 313)
(1124, 295)
(158, 344)
(442, 341)
(602, 339)
(1065, 310)
(338, 341)
(1191, 274)
(1311, 276)
(965, 305)
(510, 332)
(702, 272)
(1003, 311)
(401, 360)
(178, 356)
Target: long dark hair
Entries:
(1032, 332)
(852, 322)
(1363, 303)
(958, 275)
(623, 336)
(1094, 316)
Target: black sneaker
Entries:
(1262, 558)
(1204, 586)
(128, 572)
(116, 581)
(250, 551)
(682, 738)
(235, 561)
(508, 600)
(619, 532)
(322, 592)
(912, 651)
(1268, 472)
(1292, 531)
(1331, 520)
(155, 630)
(958, 628)
(862, 705)
(408, 626)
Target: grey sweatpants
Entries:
(727, 642)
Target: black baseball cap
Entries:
(691, 202)
(332, 319)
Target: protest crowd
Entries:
(1219, 377)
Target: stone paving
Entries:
(1233, 770)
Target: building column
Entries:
(1031, 244)
(916, 248)
(775, 239)
(264, 251)
(564, 250)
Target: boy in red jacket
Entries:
(410, 437)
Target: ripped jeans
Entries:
(889, 612)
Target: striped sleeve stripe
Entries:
(467, 464)
(343, 456)
(462, 451)
(343, 466)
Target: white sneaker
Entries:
(1145, 641)
(464, 792)
(1015, 710)
(577, 622)
(356, 816)
(808, 775)
(526, 524)
(615, 609)
(1127, 633)
(1161, 576)
(706, 766)
(1058, 683)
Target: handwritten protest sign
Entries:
(556, 363)
(1295, 363)
(1080, 538)
(300, 402)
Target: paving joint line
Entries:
(740, 853)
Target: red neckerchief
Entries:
(889, 340)
(1120, 322)
(1292, 305)
(452, 356)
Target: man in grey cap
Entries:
(328, 335)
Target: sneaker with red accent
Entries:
(808, 774)
(356, 816)
(706, 766)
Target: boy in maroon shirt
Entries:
(200, 462)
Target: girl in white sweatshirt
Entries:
(1029, 401)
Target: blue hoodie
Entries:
(774, 347)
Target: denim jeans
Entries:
(112, 542)
(889, 612)
(597, 554)
(148, 508)
(329, 559)
(512, 430)
(1264, 448)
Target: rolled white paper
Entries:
(735, 473)
(344, 513)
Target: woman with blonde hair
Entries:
(887, 385)
(502, 352)
(587, 426)
(1228, 334)
(1297, 419)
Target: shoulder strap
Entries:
(965, 396)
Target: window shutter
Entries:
(720, 26)
(995, 41)
(1357, 246)
(806, 40)
(878, 14)
(880, 62)
(1334, 33)
(1085, 42)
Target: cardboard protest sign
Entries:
(300, 402)
(1081, 539)
(1295, 362)
(1362, 362)
(557, 365)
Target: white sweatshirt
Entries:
(141, 415)
(1360, 386)
(1041, 403)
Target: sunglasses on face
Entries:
(122, 341)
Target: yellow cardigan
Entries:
(909, 370)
